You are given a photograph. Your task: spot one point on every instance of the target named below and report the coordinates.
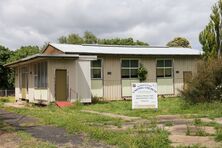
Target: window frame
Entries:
(101, 70)
(40, 73)
(164, 68)
(129, 68)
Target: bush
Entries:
(206, 86)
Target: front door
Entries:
(187, 77)
(61, 85)
(24, 74)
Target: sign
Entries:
(144, 95)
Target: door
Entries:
(187, 77)
(61, 85)
(24, 73)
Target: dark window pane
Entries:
(160, 63)
(160, 73)
(125, 73)
(134, 73)
(97, 63)
(96, 73)
(168, 72)
(168, 63)
(134, 63)
(125, 63)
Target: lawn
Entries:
(166, 106)
(94, 126)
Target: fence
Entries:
(5, 93)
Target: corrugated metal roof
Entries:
(124, 50)
(42, 56)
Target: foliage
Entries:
(179, 42)
(71, 39)
(23, 52)
(167, 106)
(206, 86)
(218, 134)
(211, 36)
(4, 71)
(142, 72)
(95, 99)
(90, 38)
(119, 41)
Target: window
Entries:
(129, 68)
(40, 74)
(96, 69)
(164, 69)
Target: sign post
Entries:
(144, 95)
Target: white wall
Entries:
(84, 80)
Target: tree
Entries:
(71, 39)
(20, 53)
(4, 71)
(23, 52)
(179, 42)
(211, 36)
(89, 38)
(62, 40)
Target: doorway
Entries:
(61, 85)
(24, 75)
(187, 77)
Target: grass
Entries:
(26, 140)
(97, 126)
(166, 106)
(75, 121)
(22, 139)
(218, 136)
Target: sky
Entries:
(35, 22)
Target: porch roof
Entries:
(41, 56)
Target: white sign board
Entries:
(144, 95)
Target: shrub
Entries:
(142, 72)
(206, 86)
(95, 99)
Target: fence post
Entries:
(6, 94)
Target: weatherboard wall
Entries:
(115, 88)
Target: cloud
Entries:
(25, 22)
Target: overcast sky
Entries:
(33, 22)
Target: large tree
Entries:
(90, 38)
(179, 42)
(5, 72)
(71, 39)
(23, 52)
(211, 36)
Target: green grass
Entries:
(97, 126)
(94, 126)
(166, 106)
(27, 140)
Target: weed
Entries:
(168, 123)
(218, 136)
(197, 121)
(188, 131)
(200, 131)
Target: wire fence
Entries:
(6, 93)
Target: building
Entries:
(80, 72)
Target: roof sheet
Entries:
(124, 50)
(42, 56)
